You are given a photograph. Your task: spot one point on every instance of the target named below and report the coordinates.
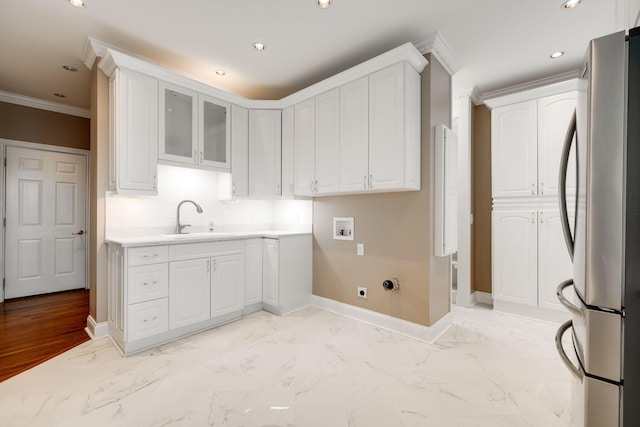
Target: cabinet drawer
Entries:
(205, 249)
(147, 319)
(147, 282)
(147, 255)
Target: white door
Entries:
(253, 272)
(270, 270)
(354, 136)
(304, 135)
(45, 231)
(189, 292)
(265, 157)
(515, 256)
(554, 264)
(239, 151)
(327, 147)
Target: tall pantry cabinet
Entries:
(529, 257)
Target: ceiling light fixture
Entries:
(77, 3)
(70, 68)
(259, 46)
(570, 4)
(60, 95)
(323, 4)
(221, 72)
(557, 54)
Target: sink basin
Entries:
(206, 235)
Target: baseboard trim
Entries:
(428, 334)
(96, 330)
(483, 297)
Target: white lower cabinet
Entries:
(286, 273)
(530, 259)
(160, 293)
(227, 284)
(189, 292)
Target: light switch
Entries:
(360, 247)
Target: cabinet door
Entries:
(135, 130)
(214, 133)
(514, 150)
(515, 256)
(270, 272)
(178, 124)
(304, 134)
(554, 264)
(554, 115)
(287, 153)
(253, 272)
(265, 139)
(327, 146)
(239, 151)
(386, 128)
(227, 284)
(354, 136)
(189, 292)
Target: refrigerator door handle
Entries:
(575, 370)
(564, 301)
(562, 184)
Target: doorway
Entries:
(45, 221)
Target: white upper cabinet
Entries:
(327, 142)
(394, 129)
(554, 115)
(214, 132)
(514, 139)
(194, 128)
(133, 132)
(239, 151)
(526, 144)
(178, 123)
(287, 153)
(304, 146)
(265, 135)
(354, 136)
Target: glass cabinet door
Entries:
(178, 124)
(215, 141)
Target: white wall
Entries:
(145, 215)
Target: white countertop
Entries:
(172, 239)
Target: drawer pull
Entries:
(150, 256)
(150, 320)
(150, 283)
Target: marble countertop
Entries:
(172, 239)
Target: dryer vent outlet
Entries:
(391, 285)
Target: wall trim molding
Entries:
(423, 333)
(483, 297)
(536, 89)
(435, 44)
(96, 330)
(41, 104)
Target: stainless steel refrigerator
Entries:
(604, 238)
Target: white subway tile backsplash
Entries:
(142, 215)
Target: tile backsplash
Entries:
(145, 215)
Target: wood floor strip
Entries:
(35, 329)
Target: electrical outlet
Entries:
(360, 249)
(362, 292)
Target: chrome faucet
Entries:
(180, 227)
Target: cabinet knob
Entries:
(364, 182)
(542, 188)
(370, 182)
(291, 188)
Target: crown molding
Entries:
(469, 92)
(93, 49)
(438, 47)
(543, 87)
(41, 104)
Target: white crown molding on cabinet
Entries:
(113, 58)
(41, 104)
(536, 89)
(438, 47)
(93, 49)
(470, 92)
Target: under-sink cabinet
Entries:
(163, 292)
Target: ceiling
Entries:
(497, 43)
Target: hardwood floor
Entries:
(35, 329)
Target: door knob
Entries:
(78, 233)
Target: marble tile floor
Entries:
(311, 368)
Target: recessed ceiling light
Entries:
(77, 3)
(259, 46)
(221, 72)
(60, 95)
(70, 68)
(323, 4)
(557, 54)
(570, 4)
